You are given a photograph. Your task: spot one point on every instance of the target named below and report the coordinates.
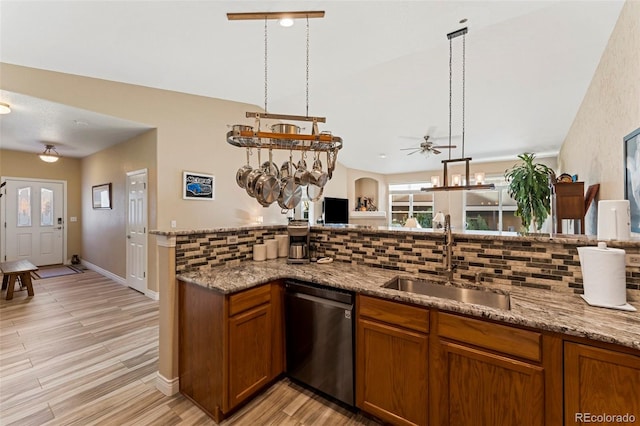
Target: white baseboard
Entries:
(166, 386)
(104, 272)
(153, 295)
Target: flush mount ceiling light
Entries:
(49, 156)
(4, 108)
(286, 22)
(456, 183)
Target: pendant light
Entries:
(456, 183)
(48, 156)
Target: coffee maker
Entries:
(298, 241)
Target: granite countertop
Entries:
(541, 309)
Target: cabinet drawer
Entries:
(412, 317)
(248, 299)
(502, 338)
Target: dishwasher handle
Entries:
(322, 301)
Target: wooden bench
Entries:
(17, 269)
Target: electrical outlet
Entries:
(232, 239)
(633, 260)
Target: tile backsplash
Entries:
(526, 262)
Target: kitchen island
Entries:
(433, 349)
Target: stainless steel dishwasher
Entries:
(319, 335)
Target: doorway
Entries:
(33, 212)
(137, 230)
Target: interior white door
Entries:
(137, 230)
(34, 221)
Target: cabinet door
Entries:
(391, 373)
(598, 382)
(482, 388)
(250, 351)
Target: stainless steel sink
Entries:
(448, 291)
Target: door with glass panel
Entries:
(34, 221)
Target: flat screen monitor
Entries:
(336, 210)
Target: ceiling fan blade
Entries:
(444, 146)
(408, 149)
(435, 151)
(411, 153)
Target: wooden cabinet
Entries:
(250, 346)
(230, 346)
(485, 374)
(391, 361)
(600, 381)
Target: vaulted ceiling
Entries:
(379, 70)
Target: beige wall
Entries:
(28, 165)
(191, 136)
(104, 231)
(593, 148)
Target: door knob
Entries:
(128, 237)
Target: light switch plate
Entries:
(174, 223)
(73, 219)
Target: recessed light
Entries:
(286, 22)
(4, 108)
(382, 155)
(463, 20)
(80, 123)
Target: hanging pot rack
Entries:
(247, 137)
(255, 137)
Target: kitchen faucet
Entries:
(449, 267)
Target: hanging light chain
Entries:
(450, 91)
(265, 64)
(307, 79)
(464, 49)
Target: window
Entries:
(491, 210)
(406, 200)
(24, 206)
(46, 207)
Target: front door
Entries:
(137, 230)
(34, 221)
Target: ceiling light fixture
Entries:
(48, 156)
(286, 22)
(4, 108)
(456, 183)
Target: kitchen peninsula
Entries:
(534, 346)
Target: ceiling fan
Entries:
(427, 147)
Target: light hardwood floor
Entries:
(84, 351)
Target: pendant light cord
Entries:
(265, 64)
(307, 78)
(464, 55)
(450, 91)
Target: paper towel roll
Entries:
(614, 220)
(603, 275)
(272, 249)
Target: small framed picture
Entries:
(101, 196)
(198, 186)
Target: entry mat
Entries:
(56, 271)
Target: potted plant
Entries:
(529, 186)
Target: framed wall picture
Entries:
(101, 196)
(198, 186)
(632, 177)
